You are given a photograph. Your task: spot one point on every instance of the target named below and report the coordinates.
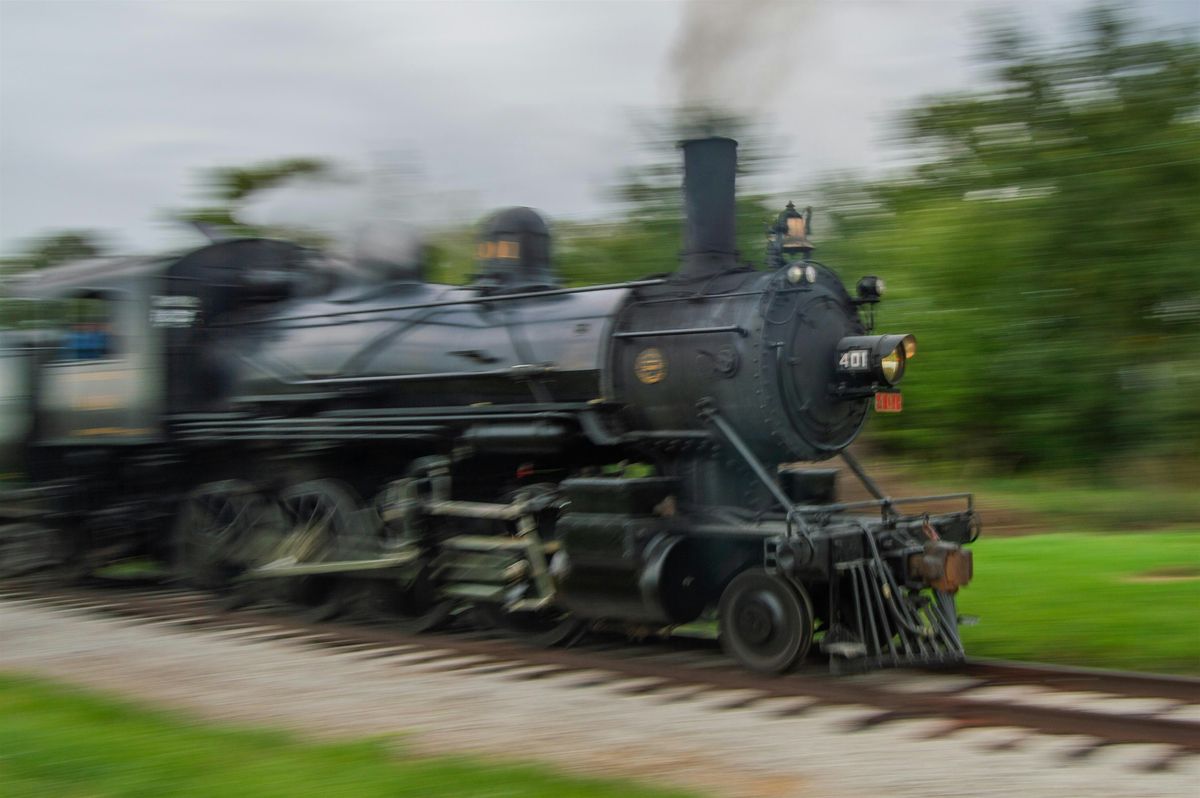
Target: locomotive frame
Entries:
(434, 452)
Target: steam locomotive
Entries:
(636, 456)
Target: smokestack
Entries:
(709, 167)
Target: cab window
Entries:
(87, 330)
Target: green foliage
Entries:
(1113, 601)
(450, 256)
(235, 183)
(1042, 249)
(647, 241)
(61, 742)
(54, 249)
(647, 236)
(226, 189)
(1044, 254)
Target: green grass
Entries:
(1071, 598)
(59, 742)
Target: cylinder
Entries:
(709, 239)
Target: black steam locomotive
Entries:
(546, 459)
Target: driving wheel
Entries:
(214, 532)
(321, 523)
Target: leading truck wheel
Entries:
(765, 622)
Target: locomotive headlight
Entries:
(892, 365)
(896, 350)
(867, 363)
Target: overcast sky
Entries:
(109, 109)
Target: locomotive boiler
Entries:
(546, 459)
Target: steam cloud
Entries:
(736, 56)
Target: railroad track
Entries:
(1099, 708)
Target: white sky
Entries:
(109, 109)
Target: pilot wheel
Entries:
(765, 622)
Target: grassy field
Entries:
(1105, 600)
(59, 742)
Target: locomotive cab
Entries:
(513, 252)
(19, 342)
(97, 380)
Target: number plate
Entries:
(854, 360)
(889, 402)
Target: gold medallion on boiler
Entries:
(650, 366)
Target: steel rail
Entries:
(954, 705)
(1126, 683)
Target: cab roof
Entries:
(85, 276)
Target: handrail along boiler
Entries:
(360, 439)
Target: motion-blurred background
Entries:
(1024, 175)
